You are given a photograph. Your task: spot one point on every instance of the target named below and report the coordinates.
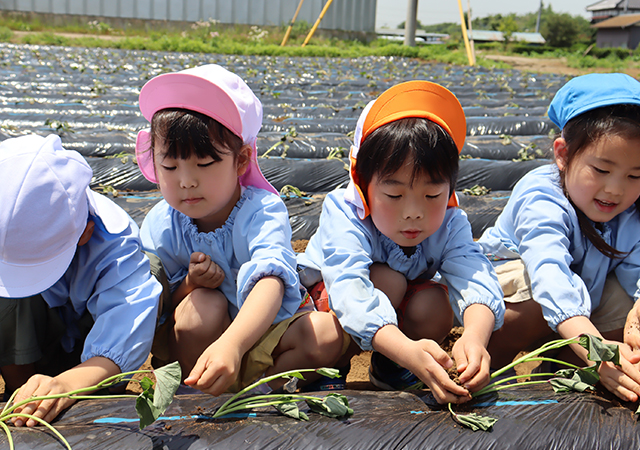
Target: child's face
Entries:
(604, 179)
(404, 212)
(201, 188)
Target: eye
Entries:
(205, 164)
(598, 170)
(432, 196)
(395, 197)
(634, 177)
(169, 168)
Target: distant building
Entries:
(344, 15)
(617, 23)
(497, 36)
(395, 34)
(606, 9)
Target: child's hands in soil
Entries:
(216, 369)
(203, 272)
(623, 381)
(37, 386)
(632, 331)
(428, 362)
(473, 362)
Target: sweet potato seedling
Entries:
(573, 378)
(150, 403)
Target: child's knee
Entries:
(324, 339)
(429, 315)
(202, 311)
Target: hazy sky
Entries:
(392, 12)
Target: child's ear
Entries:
(560, 153)
(243, 159)
(86, 234)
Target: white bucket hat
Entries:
(45, 202)
(215, 92)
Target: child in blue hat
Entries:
(567, 245)
(77, 300)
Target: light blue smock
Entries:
(567, 272)
(254, 242)
(110, 278)
(344, 247)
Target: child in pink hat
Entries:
(222, 234)
(77, 301)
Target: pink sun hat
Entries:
(211, 90)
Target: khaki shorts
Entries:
(610, 315)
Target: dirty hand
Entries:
(216, 369)
(47, 410)
(632, 329)
(472, 361)
(623, 380)
(203, 272)
(429, 362)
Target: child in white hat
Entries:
(397, 258)
(77, 300)
(567, 244)
(222, 234)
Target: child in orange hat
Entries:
(395, 254)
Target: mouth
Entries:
(191, 201)
(605, 206)
(411, 234)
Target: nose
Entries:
(187, 180)
(412, 211)
(615, 186)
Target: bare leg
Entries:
(312, 341)
(428, 315)
(200, 319)
(392, 283)
(523, 326)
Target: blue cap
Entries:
(587, 92)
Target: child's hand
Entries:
(632, 329)
(216, 369)
(203, 272)
(36, 386)
(428, 362)
(623, 381)
(472, 361)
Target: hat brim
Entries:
(186, 91)
(18, 281)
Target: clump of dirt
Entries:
(447, 346)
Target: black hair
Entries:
(586, 129)
(187, 133)
(421, 142)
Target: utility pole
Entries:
(538, 19)
(411, 23)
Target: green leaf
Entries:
(167, 383)
(333, 405)
(587, 375)
(327, 372)
(599, 351)
(151, 403)
(291, 410)
(475, 422)
(566, 385)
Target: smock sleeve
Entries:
(467, 272)
(114, 274)
(342, 248)
(544, 229)
(262, 245)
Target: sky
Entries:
(390, 13)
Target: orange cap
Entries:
(409, 99)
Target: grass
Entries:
(212, 37)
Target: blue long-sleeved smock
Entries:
(344, 247)
(254, 242)
(110, 278)
(540, 226)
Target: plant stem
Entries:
(7, 431)
(259, 382)
(246, 403)
(41, 422)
